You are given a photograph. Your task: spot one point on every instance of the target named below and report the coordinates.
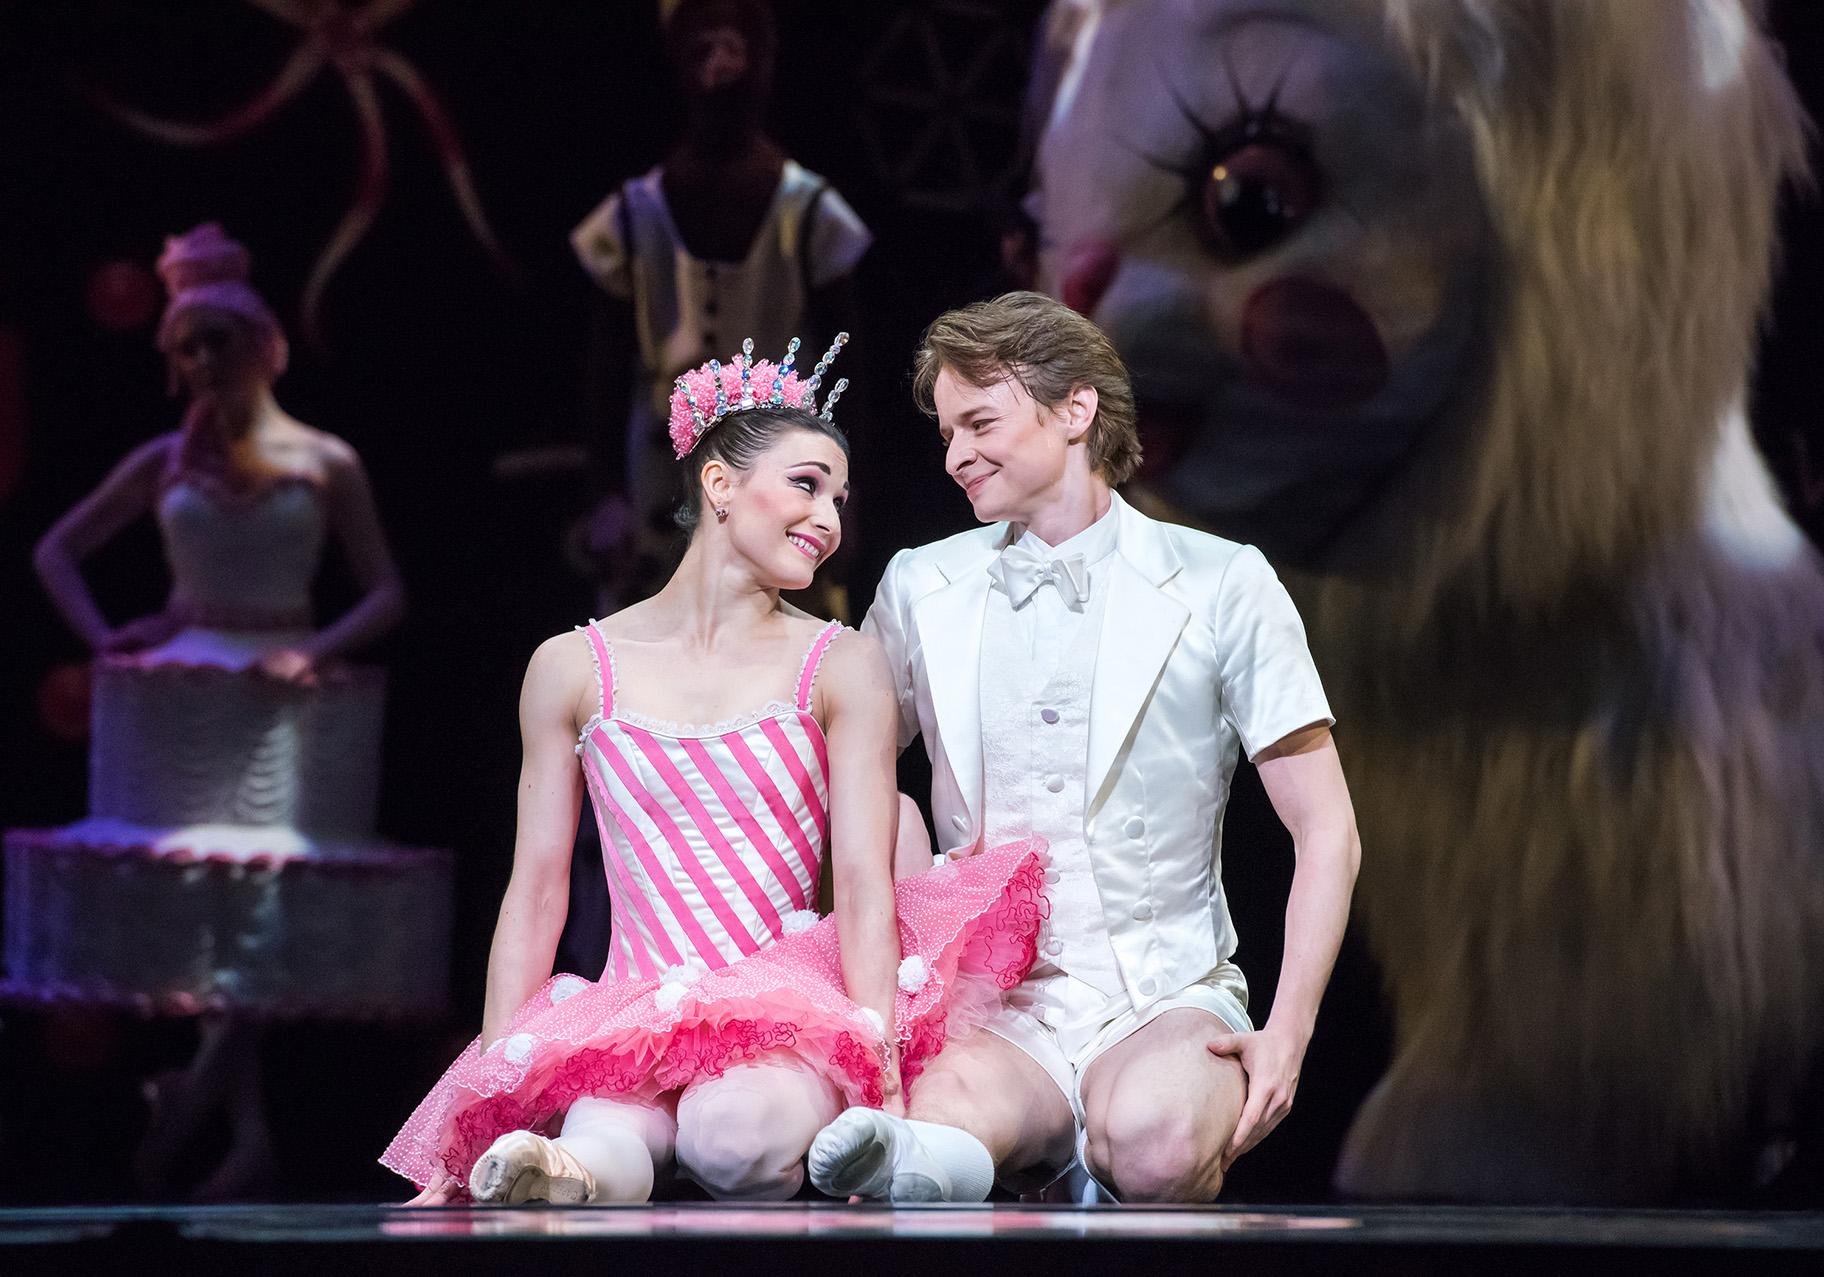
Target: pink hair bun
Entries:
(204, 268)
(202, 256)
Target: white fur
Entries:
(1575, 646)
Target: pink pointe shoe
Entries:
(520, 1167)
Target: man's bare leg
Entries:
(911, 842)
(1159, 1110)
(980, 1093)
(987, 1086)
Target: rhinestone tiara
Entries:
(705, 395)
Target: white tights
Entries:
(742, 1136)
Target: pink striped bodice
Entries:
(712, 837)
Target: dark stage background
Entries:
(470, 393)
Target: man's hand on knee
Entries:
(1271, 1059)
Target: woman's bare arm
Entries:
(128, 492)
(355, 522)
(550, 795)
(858, 698)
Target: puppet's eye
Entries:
(1254, 193)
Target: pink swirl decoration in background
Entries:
(344, 38)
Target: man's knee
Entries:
(946, 1096)
(952, 1096)
(910, 818)
(728, 1146)
(911, 842)
(1145, 1149)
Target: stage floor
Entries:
(877, 1240)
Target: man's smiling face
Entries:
(1005, 449)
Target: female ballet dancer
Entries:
(245, 497)
(729, 742)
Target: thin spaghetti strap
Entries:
(604, 668)
(808, 675)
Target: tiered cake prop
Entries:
(228, 860)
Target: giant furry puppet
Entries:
(1451, 305)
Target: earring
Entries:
(721, 514)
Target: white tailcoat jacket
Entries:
(1202, 657)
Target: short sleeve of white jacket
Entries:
(1270, 686)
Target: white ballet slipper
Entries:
(520, 1167)
(870, 1154)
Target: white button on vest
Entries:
(1054, 947)
(1054, 783)
(1051, 875)
(1049, 715)
(1146, 987)
(961, 825)
(1143, 911)
(1134, 827)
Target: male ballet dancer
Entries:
(1083, 672)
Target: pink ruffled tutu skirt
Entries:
(968, 931)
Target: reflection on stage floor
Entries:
(696, 1236)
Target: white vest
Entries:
(1035, 745)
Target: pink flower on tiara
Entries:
(696, 390)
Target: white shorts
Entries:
(1063, 1025)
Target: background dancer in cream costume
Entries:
(1085, 674)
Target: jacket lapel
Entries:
(1140, 627)
(949, 622)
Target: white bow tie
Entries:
(1020, 572)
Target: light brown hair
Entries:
(1050, 350)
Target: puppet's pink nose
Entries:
(1311, 343)
(1091, 269)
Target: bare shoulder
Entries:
(803, 628)
(802, 620)
(135, 477)
(642, 622)
(153, 455)
(561, 671)
(855, 665)
(145, 464)
(335, 455)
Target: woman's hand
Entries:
(892, 1090)
(138, 635)
(443, 1190)
(290, 665)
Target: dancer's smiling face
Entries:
(1007, 451)
(784, 507)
